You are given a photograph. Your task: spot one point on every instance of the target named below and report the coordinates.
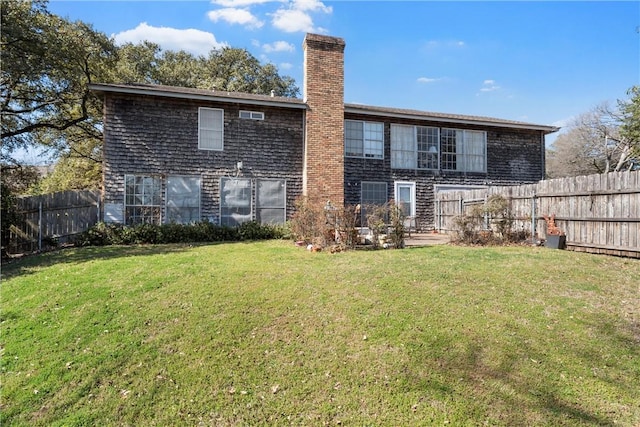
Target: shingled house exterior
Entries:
(182, 155)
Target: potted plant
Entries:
(556, 239)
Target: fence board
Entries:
(598, 213)
(59, 216)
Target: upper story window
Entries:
(427, 147)
(414, 147)
(464, 150)
(431, 148)
(210, 128)
(253, 115)
(363, 139)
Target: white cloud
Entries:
(297, 17)
(489, 86)
(433, 44)
(312, 6)
(291, 21)
(428, 80)
(279, 46)
(194, 41)
(235, 16)
(285, 66)
(238, 3)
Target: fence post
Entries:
(534, 221)
(40, 225)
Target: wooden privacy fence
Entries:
(52, 217)
(598, 213)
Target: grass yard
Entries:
(269, 334)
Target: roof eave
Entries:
(136, 90)
(354, 109)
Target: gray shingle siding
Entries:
(159, 136)
(513, 156)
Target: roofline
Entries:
(425, 116)
(230, 97)
(295, 103)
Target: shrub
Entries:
(488, 224)
(396, 229)
(308, 222)
(117, 234)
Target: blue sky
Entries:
(543, 62)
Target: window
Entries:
(449, 145)
(271, 201)
(372, 194)
(403, 147)
(183, 199)
(253, 115)
(210, 128)
(142, 199)
(414, 147)
(363, 139)
(421, 147)
(427, 143)
(235, 201)
(474, 151)
(464, 150)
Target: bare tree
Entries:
(604, 139)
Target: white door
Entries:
(406, 197)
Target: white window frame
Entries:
(463, 153)
(408, 160)
(260, 206)
(432, 150)
(412, 194)
(218, 128)
(371, 148)
(141, 201)
(252, 115)
(169, 207)
(365, 205)
(227, 217)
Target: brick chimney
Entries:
(323, 176)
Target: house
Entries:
(181, 155)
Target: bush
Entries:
(488, 224)
(308, 223)
(103, 234)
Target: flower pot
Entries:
(556, 242)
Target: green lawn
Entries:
(269, 334)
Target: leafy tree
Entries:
(602, 140)
(237, 70)
(48, 62)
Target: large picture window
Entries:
(210, 128)
(271, 201)
(464, 150)
(427, 139)
(372, 194)
(403, 147)
(422, 147)
(142, 199)
(183, 199)
(235, 201)
(363, 139)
